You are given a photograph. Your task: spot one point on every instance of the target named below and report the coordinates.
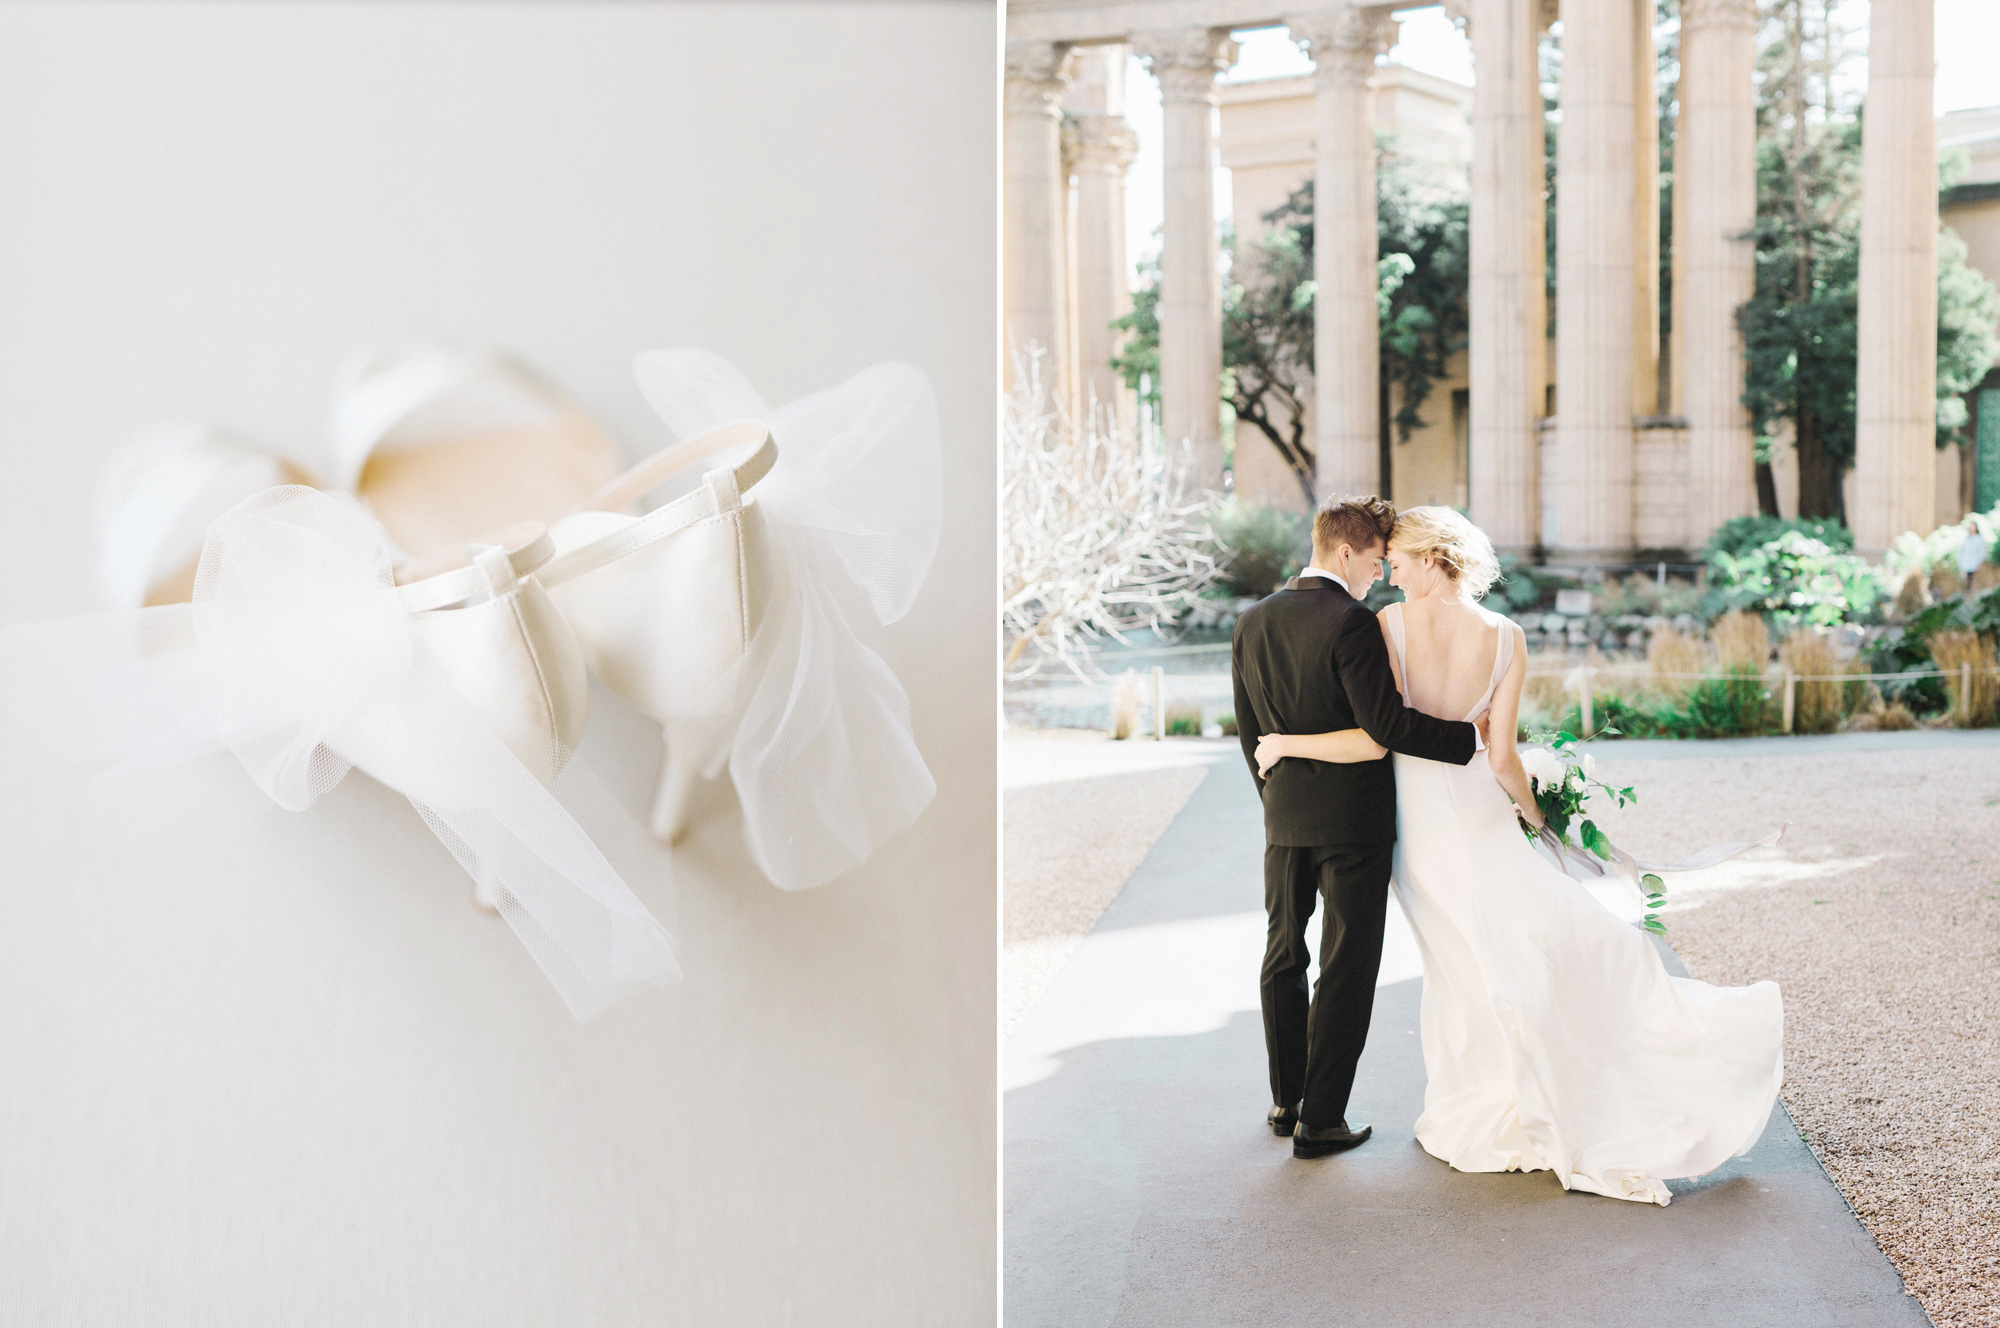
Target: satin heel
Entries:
(672, 797)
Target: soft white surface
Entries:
(261, 1067)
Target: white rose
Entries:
(1589, 766)
(1544, 767)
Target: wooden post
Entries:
(1791, 697)
(1159, 703)
(1965, 692)
(1583, 699)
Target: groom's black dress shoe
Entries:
(1282, 1120)
(1308, 1142)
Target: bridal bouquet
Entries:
(1562, 781)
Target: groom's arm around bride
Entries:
(1310, 659)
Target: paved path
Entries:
(1142, 1188)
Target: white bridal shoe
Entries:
(719, 615)
(464, 690)
(315, 634)
(726, 615)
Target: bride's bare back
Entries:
(1450, 648)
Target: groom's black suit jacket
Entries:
(1310, 659)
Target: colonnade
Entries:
(1617, 432)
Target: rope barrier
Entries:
(1636, 677)
(1767, 673)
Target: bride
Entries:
(1553, 1035)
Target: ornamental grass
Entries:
(1542, 694)
(1952, 649)
(1913, 597)
(1819, 703)
(1673, 651)
(1742, 642)
(1127, 698)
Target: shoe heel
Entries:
(671, 797)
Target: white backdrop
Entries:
(261, 1068)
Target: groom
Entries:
(1310, 659)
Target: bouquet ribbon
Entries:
(1578, 862)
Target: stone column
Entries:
(1509, 309)
(1645, 213)
(1715, 196)
(1343, 42)
(1895, 408)
(1186, 62)
(1100, 147)
(1595, 230)
(1036, 200)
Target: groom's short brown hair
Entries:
(1360, 522)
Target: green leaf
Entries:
(1655, 926)
(1595, 840)
(1653, 884)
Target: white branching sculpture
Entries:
(1103, 533)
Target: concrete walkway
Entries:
(1143, 1189)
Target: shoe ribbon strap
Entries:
(721, 491)
(528, 549)
(657, 469)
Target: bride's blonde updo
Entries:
(1462, 550)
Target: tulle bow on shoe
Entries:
(811, 724)
(302, 657)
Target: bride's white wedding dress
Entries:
(1553, 1035)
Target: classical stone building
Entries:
(1629, 458)
(1266, 141)
(1972, 208)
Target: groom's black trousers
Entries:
(1314, 1041)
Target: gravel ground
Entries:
(1879, 916)
(1081, 812)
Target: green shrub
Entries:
(1723, 708)
(1266, 546)
(1911, 552)
(1712, 708)
(1183, 721)
(1520, 585)
(1632, 717)
(1907, 649)
(1739, 535)
(1793, 579)
(1228, 723)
